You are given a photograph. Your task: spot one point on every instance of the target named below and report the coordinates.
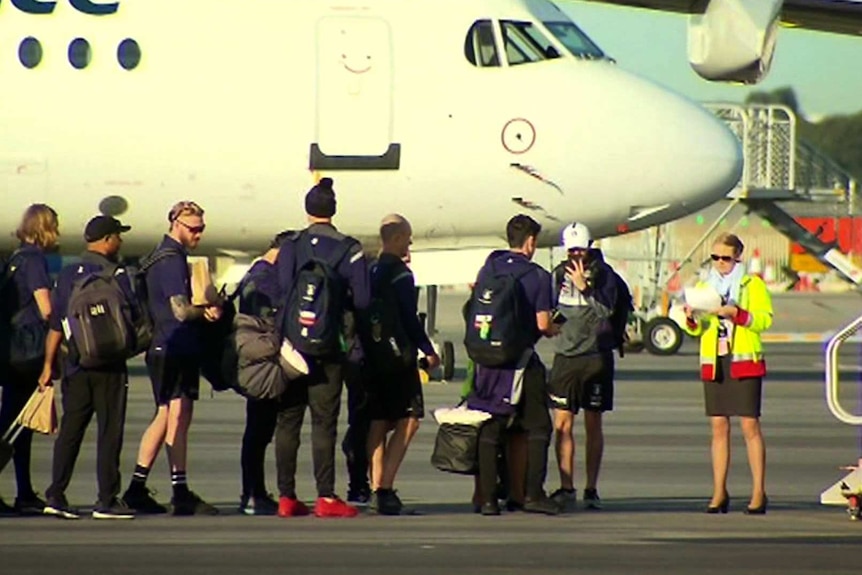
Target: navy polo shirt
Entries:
(30, 275)
(404, 287)
(167, 278)
(325, 240)
(494, 384)
(91, 262)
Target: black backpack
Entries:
(623, 305)
(385, 343)
(100, 320)
(500, 323)
(312, 318)
(144, 323)
(20, 344)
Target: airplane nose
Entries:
(688, 156)
(662, 156)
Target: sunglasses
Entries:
(193, 229)
(716, 257)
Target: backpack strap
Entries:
(305, 253)
(558, 276)
(158, 255)
(10, 269)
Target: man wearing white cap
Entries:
(582, 375)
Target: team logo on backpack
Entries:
(500, 325)
(100, 325)
(313, 317)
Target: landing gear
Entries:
(662, 336)
(446, 351)
(447, 360)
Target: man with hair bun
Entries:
(319, 391)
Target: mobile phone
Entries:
(558, 318)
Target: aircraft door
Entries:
(354, 93)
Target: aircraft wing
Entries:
(837, 16)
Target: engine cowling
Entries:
(734, 40)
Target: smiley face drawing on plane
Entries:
(456, 114)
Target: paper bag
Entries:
(203, 291)
(40, 413)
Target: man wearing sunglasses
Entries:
(173, 362)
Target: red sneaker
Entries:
(333, 507)
(291, 507)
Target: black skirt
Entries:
(726, 396)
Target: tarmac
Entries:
(655, 483)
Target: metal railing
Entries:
(775, 159)
(832, 373)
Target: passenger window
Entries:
(525, 43)
(480, 48)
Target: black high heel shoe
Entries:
(759, 510)
(721, 507)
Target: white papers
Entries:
(461, 415)
(702, 298)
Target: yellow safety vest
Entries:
(755, 316)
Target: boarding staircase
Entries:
(784, 176)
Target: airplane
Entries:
(735, 40)
(456, 114)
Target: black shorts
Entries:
(395, 396)
(173, 376)
(582, 382)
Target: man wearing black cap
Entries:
(86, 391)
(320, 391)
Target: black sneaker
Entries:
(141, 500)
(263, 505)
(6, 510)
(566, 499)
(29, 505)
(543, 505)
(59, 507)
(117, 509)
(512, 505)
(491, 508)
(388, 502)
(592, 499)
(359, 497)
(191, 504)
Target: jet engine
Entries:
(734, 40)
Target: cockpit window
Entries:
(575, 41)
(525, 43)
(480, 48)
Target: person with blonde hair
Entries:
(26, 308)
(173, 363)
(732, 366)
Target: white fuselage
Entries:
(230, 98)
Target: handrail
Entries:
(832, 373)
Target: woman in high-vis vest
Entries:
(732, 367)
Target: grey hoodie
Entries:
(587, 330)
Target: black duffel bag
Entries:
(456, 448)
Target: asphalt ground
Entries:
(655, 482)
